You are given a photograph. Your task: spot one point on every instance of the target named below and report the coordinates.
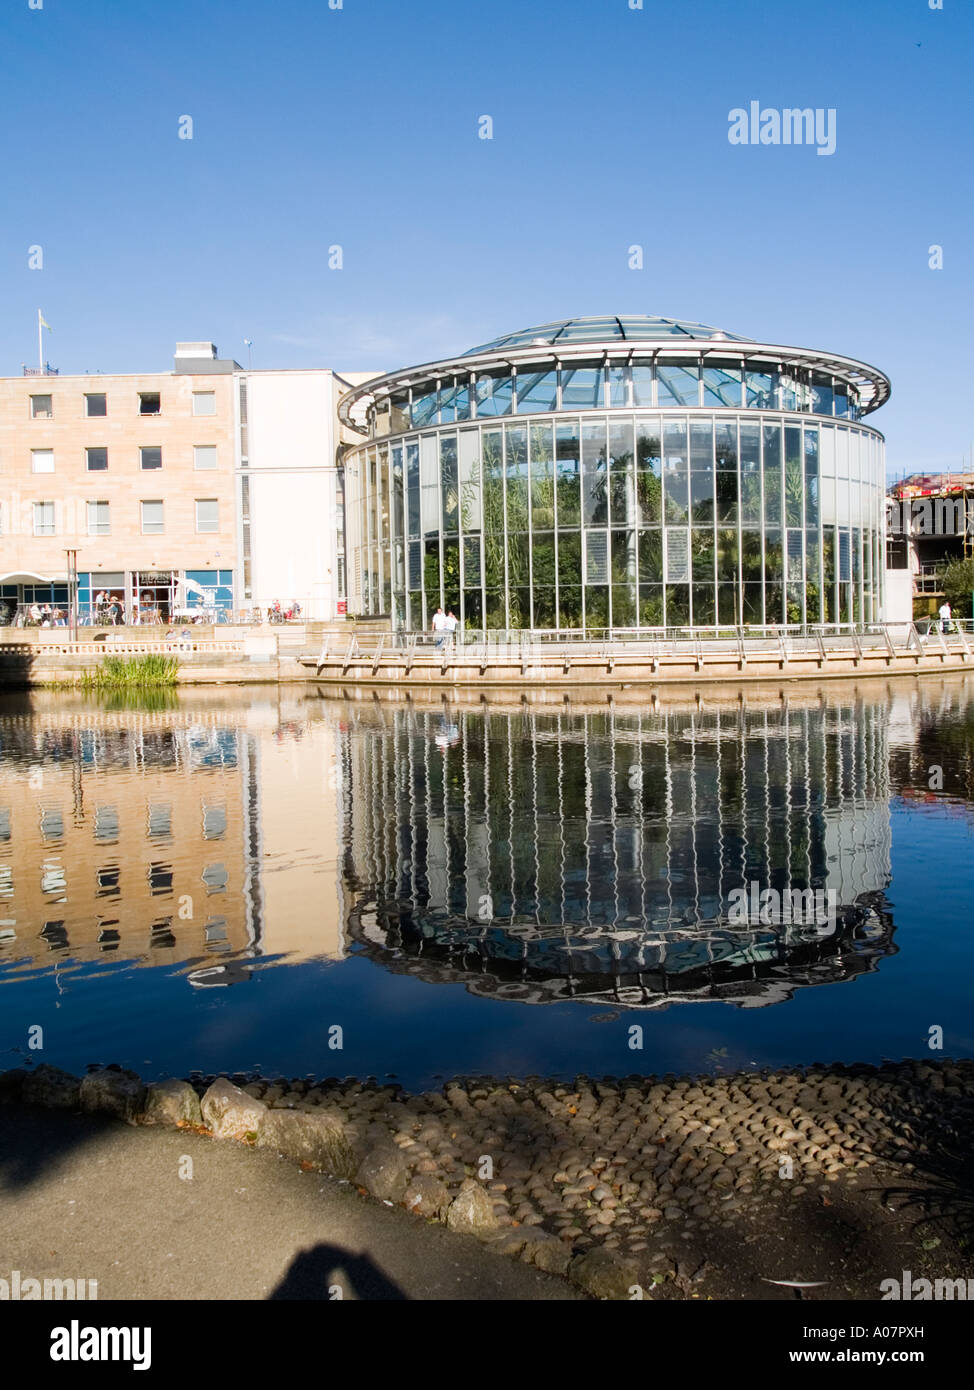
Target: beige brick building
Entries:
(136, 473)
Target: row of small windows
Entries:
(99, 521)
(592, 386)
(55, 934)
(108, 879)
(150, 457)
(158, 822)
(96, 404)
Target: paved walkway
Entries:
(82, 1197)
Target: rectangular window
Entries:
(204, 457)
(152, 519)
(43, 518)
(581, 387)
(42, 460)
(678, 383)
(722, 386)
(537, 391)
(99, 519)
(96, 460)
(41, 408)
(204, 402)
(151, 457)
(207, 514)
(150, 403)
(96, 405)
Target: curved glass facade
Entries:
(680, 493)
(543, 856)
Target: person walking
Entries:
(439, 627)
(945, 616)
(452, 623)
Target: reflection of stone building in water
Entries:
(205, 836)
(124, 835)
(540, 856)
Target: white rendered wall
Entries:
(292, 490)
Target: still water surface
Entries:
(222, 881)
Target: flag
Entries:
(43, 323)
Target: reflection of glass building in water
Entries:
(618, 472)
(541, 856)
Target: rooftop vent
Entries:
(196, 350)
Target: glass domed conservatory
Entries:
(618, 473)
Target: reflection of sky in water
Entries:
(212, 886)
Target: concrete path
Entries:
(82, 1197)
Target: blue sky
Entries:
(359, 127)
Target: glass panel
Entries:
(543, 559)
(702, 556)
(788, 387)
(650, 605)
(542, 478)
(493, 515)
(399, 414)
(567, 473)
(581, 387)
(471, 511)
(569, 603)
(761, 388)
(772, 475)
(821, 394)
(649, 489)
(794, 476)
(722, 386)
(594, 474)
(642, 385)
(811, 478)
(537, 390)
(618, 386)
(472, 570)
(448, 393)
(678, 383)
(725, 449)
(676, 472)
(412, 488)
(449, 482)
(750, 474)
(495, 393)
(650, 557)
(424, 406)
(569, 559)
(429, 477)
(621, 472)
(702, 472)
(517, 479)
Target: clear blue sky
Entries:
(359, 127)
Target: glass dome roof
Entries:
(635, 328)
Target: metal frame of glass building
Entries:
(618, 473)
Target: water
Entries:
(224, 881)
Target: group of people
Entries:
(46, 615)
(108, 609)
(445, 626)
(277, 614)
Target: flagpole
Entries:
(40, 344)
